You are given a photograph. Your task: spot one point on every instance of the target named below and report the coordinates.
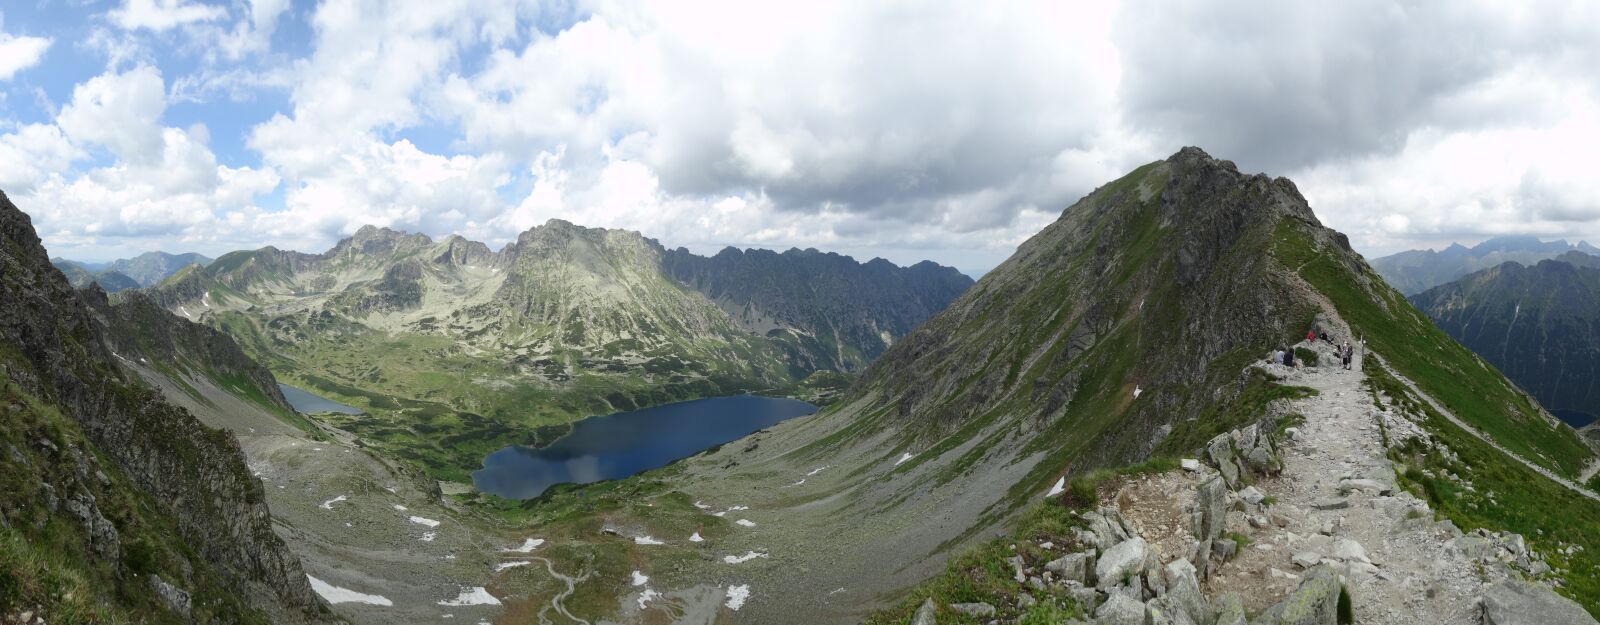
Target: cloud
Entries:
(162, 15)
(1285, 85)
(119, 111)
(18, 53)
(833, 105)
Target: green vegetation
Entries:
(1249, 406)
(1467, 386)
(47, 559)
(1504, 494)
(1306, 357)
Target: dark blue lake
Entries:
(619, 445)
(307, 403)
(1574, 418)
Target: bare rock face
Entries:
(1514, 602)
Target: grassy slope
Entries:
(1463, 382)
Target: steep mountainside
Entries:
(490, 346)
(120, 506)
(831, 311)
(110, 280)
(1122, 332)
(1415, 271)
(1540, 325)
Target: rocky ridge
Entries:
(57, 361)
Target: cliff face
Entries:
(57, 360)
(1538, 324)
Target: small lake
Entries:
(619, 445)
(1574, 418)
(307, 403)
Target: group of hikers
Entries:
(1286, 357)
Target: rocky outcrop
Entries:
(56, 351)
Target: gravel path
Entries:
(1408, 573)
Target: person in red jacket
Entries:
(1311, 336)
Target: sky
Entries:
(909, 130)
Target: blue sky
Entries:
(942, 130)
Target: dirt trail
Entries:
(1573, 486)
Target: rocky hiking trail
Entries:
(1301, 525)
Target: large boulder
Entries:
(1211, 502)
(1514, 602)
(1120, 609)
(1314, 602)
(1183, 592)
(1122, 561)
(925, 614)
(1074, 567)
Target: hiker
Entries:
(1325, 337)
(1288, 359)
(1311, 336)
(1344, 356)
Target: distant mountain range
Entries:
(564, 323)
(1415, 271)
(145, 269)
(1537, 323)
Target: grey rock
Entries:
(1330, 503)
(1086, 597)
(1125, 559)
(925, 614)
(176, 600)
(980, 610)
(1017, 566)
(1072, 567)
(1189, 464)
(1224, 548)
(1513, 602)
(1251, 496)
(1306, 559)
(1349, 551)
(1120, 609)
(1363, 484)
(1314, 602)
(1211, 500)
(1230, 610)
(1183, 592)
(1220, 452)
(1026, 601)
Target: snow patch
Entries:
(335, 594)
(748, 556)
(746, 522)
(696, 538)
(647, 540)
(475, 595)
(737, 595)
(802, 481)
(640, 579)
(1060, 487)
(701, 505)
(422, 521)
(399, 507)
(647, 596)
(903, 458)
(428, 537)
(510, 565)
(527, 546)
(816, 471)
(328, 505)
